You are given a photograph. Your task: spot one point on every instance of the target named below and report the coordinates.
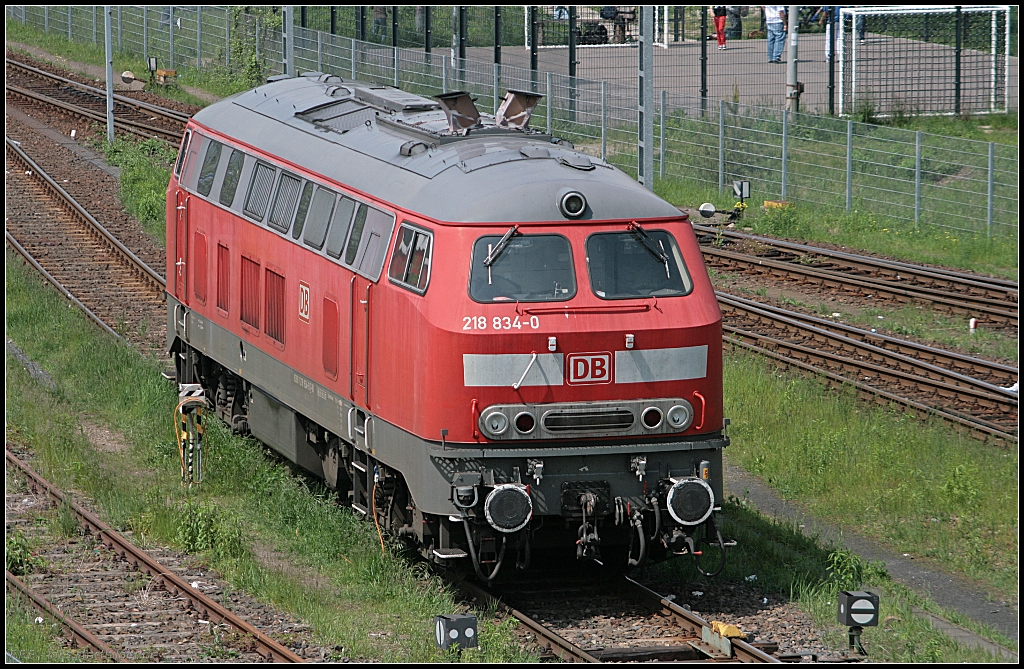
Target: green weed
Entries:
(19, 558)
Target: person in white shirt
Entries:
(775, 21)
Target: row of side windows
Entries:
(350, 232)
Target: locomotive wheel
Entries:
(709, 542)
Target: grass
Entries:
(785, 560)
(145, 171)
(914, 486)
(860, 230)
(916, 321)
(268, 531)
(33, 642)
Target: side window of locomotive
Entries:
(410, 262)
(300, 213)
(528, 268)
(259, 191)
(284, 202)
(339, 226)
(318, 218)
(182, 153)
(622, 266)
(210, 163)
(231, 176)
(190, 167)
(357, 235)
(367, 242)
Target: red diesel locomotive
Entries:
(493, 342)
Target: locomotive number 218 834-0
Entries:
(499, 323)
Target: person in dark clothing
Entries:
(719, 11)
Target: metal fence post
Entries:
(288, 40)
(991, 183)
(227, 38)
(444, 75)
(957, 58)
(849, 165)
(120, 42)
(46, 19)
(170, 35)
(94, 24)
(604, 121)
(917, 178)
(497, 75)
(548, 95)
(353, 58)
(70, 21)
(256, 43)
(785, 150)
(145, 35)
(703, 61)
(661, 157)
(108, 48)
(319, 51)
(721, 145)
(199, 38)
(394, 50)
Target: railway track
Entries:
(887, 369)
(681, 634)
(991, 301)
(37, 86)
(132, 606)
(79, 256)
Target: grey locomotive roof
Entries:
(393, 145)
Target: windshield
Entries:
(621, 266)
(530, 268)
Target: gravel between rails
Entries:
(93, 188)
(142, 96)
(119, 605)
(597, 618)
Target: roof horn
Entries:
(515, 109)
(460, 111)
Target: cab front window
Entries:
(524, 268)
(636, 263)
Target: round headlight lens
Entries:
(680, 416)
(496, 423)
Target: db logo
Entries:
(590, 368)
(304, 301)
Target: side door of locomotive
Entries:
(181, 223)
(364, 252)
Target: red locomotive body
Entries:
(461, 323)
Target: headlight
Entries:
(496, 423)
(680, 416)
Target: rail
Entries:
(210, 609)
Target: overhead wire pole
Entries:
(108, 42)
(645, 105)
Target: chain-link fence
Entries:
(926, 60)
(928, 179)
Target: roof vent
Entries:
(460, 111)
(515, 109)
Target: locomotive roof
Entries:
(396, 146)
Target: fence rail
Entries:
(844, 165)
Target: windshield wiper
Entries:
(656, 250)
(492, 254)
